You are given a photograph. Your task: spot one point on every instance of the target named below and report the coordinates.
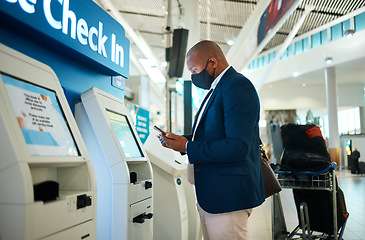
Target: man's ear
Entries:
(214, 62)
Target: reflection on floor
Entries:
(353, 186)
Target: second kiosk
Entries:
(121, 166)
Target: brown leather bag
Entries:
(271, 183)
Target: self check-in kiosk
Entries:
(47, 181)
(174, 204)
(170, 209)
(123, 170)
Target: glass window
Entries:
(346, 24)
(357, 120)
(272, 56)
(316, 39)
(264, 62)
(298, 47)
(360, 21)
(325, 129)
(351, 121)
(348, 122)
(261, 60)
(254, 64)
(259, 64)
(305, 44)
(251, 66)
(285, 55)
(343, 123)
(323, 126)
(324, 38)
(336, 31)
(290, 50)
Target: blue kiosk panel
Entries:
(76, 38)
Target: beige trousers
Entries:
(224, 226)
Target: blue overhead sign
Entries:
(79, 24)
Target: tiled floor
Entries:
(353, 186)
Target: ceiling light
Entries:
(296, 74)
(152, 71)
(349, 32)
(230, 42)
(328, 60)
(304, 85)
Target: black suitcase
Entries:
(297, 160)
(320, 208)
(305, 137)
(362, 167)
(304, 148)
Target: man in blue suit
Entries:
(223, 146)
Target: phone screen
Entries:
(159, 130)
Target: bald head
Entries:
(204, 51)
(207, 49)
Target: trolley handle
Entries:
(332, 166)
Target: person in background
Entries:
(355, 155)
(223, 146)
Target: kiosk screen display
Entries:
(40, 118)
(123, 130)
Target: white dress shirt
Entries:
(190, 167)
(212, 87)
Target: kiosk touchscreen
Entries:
(123, 170)
(174, 201)
(47, 181)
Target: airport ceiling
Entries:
(227, 17)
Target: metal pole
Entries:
(168, 45)
(334, 198)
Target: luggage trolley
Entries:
(322, 180)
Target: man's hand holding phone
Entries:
(170, 140)
(159, 130)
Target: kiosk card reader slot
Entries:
(123, 170)
(44, 167)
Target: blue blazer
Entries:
(225, 151)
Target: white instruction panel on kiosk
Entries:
(123, 170)
(40, 118)
(47, 179)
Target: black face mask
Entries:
(203, 79)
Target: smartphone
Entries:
(159, 130)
